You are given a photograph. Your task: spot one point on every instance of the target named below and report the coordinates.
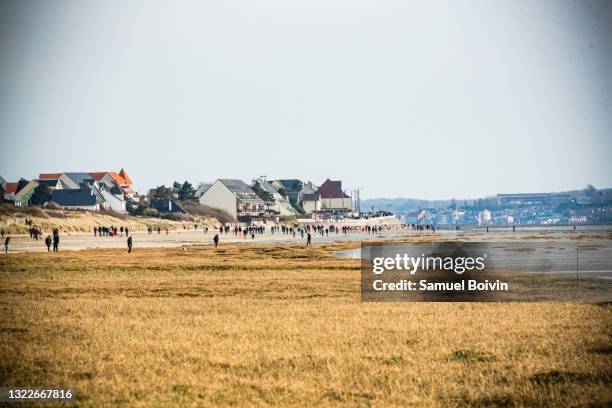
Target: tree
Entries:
(176, 185)
(162, 193)
(41, 195)
(265, 195)
(187, 192)
(21, 184)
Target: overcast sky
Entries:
(425, 99)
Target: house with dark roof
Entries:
(77, 198)
(307, 189)
(167, 206)
(80, 179)
(235, 197)
(65, 181)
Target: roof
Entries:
(289, 184)
(49, 176)
(27, 188)
(331, 189)
(120, 178)
(79, 178)
(125, 176)
(11, 188)
(98, 175)
(74, 197)
(240, 189)
(309, 189)
(265, 185)
(202, 189)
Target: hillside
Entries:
(12, 220)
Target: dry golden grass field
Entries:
(281, 325)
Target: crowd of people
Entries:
(244, 231)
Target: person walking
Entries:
(48, 242)
(6, 244)
(308, 239)
(129, 243)
(56, 240)
(216, 240)
(127, 232)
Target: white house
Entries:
(113, 202)
(234, 197)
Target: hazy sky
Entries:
(426, 99)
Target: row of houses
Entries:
(113, 190)
(73, 190)
(286, 197)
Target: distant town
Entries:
(234, 200)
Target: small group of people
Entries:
(111, 231)
(422, 227)
(151, 229)
(35, 233)
(50, 240)
(55, 241)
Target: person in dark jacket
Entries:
(129, 243)
(308, 239)
(216, 240)
(48, 242)
(6, 244)
(56, 240)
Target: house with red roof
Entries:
(329, 197)
(10, 189)
(121, 179)
(77, 180)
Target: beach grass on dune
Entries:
(281, 325)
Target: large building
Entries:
(234, 197)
